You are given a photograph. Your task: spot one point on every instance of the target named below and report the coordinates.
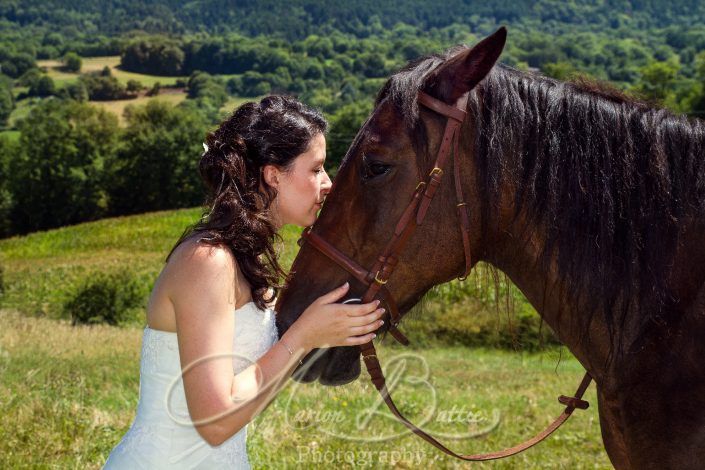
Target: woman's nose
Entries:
(327, 182)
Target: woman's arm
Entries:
(203, 294)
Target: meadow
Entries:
(55, 70)
(70, 392)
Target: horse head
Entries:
(391, 155)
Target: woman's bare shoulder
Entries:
(195, 261)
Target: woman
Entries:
(210, 313)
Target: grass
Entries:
(12, 135)
(70, 393)
(43, 268)
(117, 107)
(234, 102)
(95, 64)
(22, 109)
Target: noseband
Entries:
(376, 278)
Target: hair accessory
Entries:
(205, 149)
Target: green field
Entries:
(96, 64)
(69, 393)
(117, 107)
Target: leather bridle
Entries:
(376, 278)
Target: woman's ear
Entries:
(271, 175)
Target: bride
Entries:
(210, 359)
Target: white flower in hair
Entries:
(205, 147)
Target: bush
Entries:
(103, 87)
(154, 91)
(472, 323)
(72, 62)
(75, 91)
(43, 87)
(7, 101)
(114, 299)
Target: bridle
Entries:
(376, 278)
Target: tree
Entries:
(657, 80)
(9, 149)
(44, 86)
(559, 70)
(157, 166)
(344, 125)
(697, 100)
(103, 87)
(72, 62)
(153, 55)
(57, 179)
(7, 101)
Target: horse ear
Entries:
(462, 72)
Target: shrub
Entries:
(111, 298)
(103, 87)
(44, 86)
(72, 62)
(134, 86)
(154, 91)
(75, 91)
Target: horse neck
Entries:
(512, 115)
(544, 290)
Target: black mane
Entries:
(607, 179)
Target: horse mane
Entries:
(608, 180)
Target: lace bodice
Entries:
(162, 435)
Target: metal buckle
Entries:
(461, 204)
(436, 171)
(380, 281)
(420, 185)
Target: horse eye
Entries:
(374, 169)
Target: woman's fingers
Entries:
(334, 295)
(366, 319)
(357, 340)
(364, 329)
(361, 309)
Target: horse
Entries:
(591, 201)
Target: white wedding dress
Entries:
(161, 435)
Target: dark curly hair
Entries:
(237, 212)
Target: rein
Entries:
(376, 278)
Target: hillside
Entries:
(305, 17)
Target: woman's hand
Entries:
(326, 324)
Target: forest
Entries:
(77, 82)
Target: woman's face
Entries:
(301, 188)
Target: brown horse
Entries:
(591, 202)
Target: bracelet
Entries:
(291, 353)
